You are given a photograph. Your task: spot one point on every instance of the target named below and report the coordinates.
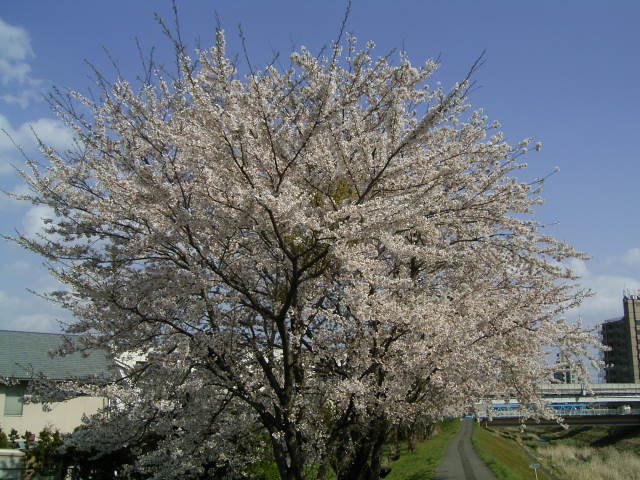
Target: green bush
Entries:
(4, 440)
(42, 457)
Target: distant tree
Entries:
(4, 440)
(306, 257)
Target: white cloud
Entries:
(7, 301)
(8, 204)
(15, 69)
(5, 138)
(631, 258)
(608, 290)
(51, 131)
(15, 41)
(25, 96)
(33, 221)
(15, 49)
(27, 314)
(37, 322)
(578, 267)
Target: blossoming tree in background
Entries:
(306, 258)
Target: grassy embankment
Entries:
(503, 456)
(423, 462)
(578, 452)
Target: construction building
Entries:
(563, 372)
(622, 336)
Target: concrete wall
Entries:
(64, 416)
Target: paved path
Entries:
(461, 462)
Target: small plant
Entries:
(13, 438)
(4, 440)
(42, 455)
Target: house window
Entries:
(14, 396)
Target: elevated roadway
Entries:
(597, 404)
(576, 393)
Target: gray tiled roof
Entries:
(24, 352)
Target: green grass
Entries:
(420, 464)
(621, 437)
(504, 457)
(423, 462)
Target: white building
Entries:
(25, 354)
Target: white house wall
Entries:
(64, 416)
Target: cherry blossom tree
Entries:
(305, 256)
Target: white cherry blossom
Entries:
(307, 257)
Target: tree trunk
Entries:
(290, 465)
(366, 461)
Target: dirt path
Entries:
(461, 462)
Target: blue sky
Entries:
(564, 72)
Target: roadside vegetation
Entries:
(578, 452)
(415, 460)
(578, 463)
(504, 457)
(422, 463)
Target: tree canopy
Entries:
(305, 257)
